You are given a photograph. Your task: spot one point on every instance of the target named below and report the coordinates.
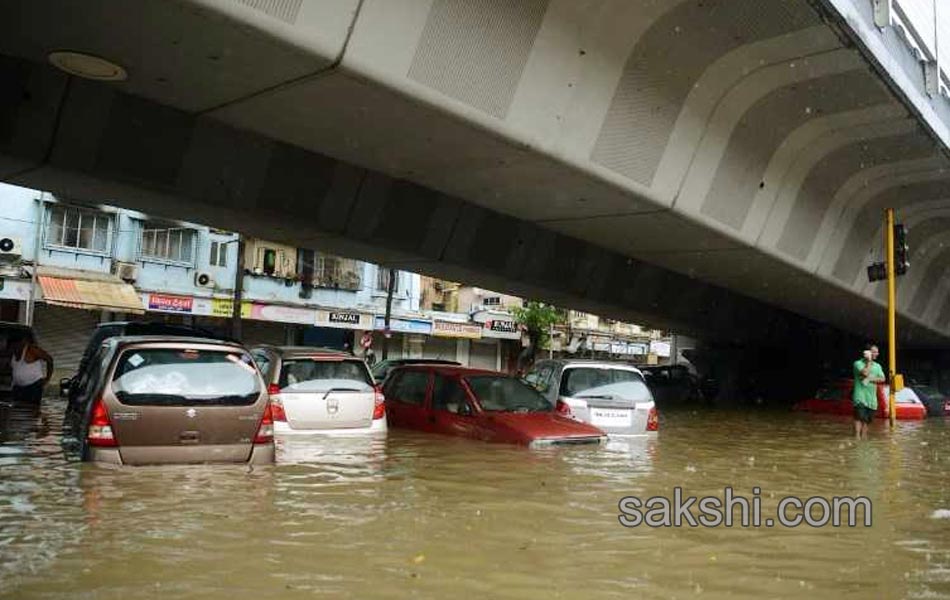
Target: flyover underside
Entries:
(714, 166)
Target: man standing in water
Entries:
(867, 374)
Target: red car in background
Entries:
(835, 399)
(477, 404)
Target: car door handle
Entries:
(432, 418)
(188, 437)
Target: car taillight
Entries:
(100, 427)
(379, 410)
(265, 432)
(563, 408)
(276, 404)
(277, 410)
(653, 421)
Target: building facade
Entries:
(69, 266)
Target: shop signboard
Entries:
(344, 319)
(456, 330)
(282, 314)
(501, 328)
(170, 303)
(660, 348)
(223, 307)
(405, 325)
(11, 289)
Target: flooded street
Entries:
(432, 517)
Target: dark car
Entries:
(481, 405)
(9, 332)
(382, 369)
(938, 405)
(155, 400)
(672, 384)
(105, 331)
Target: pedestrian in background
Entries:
(867, 375)
(31, 367)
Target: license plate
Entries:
(605, 417)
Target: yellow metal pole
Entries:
(891, 317)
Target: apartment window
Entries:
(82, 229)
(219, 254)
(174, 244)
(382, 280)
(492, 301)
(269, 261)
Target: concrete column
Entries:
(462, 351)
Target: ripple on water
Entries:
(437, 517)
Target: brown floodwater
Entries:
(432, 517)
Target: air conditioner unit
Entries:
(11, 246)
(204, 280)
(125, 271)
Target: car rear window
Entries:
(604, 382)
(321, 375)
(496, 393)
(185, 377)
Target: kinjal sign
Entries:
(345, 318)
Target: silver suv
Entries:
(611, 396)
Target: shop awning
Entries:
(90, 294)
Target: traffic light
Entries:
(901, 262)
(877, 272)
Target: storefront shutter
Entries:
(436, 347)
(64, 333)
(483, 354)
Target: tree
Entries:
(537, 319)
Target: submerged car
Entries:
(154, 400)
(111, 329)
(381, 370)
(479, 404)
(319, 391)
(611, 396)
(835, 399)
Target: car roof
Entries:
(458, 370)
(421, 361)
(127, 340)
(592, 362)
(306, 351)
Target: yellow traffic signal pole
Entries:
(891, 316)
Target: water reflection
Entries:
(438, 517)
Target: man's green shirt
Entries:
(865, 394)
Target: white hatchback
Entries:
(317, 391)
(611, 396)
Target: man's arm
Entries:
(879, 378)
(45, 356)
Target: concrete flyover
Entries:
(716, 166)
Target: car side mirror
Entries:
(64, 384)
(465, 410)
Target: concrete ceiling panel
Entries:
(190, 55)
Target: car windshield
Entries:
(185, 377)
(497, 393)
(320, 375)
(604, 382)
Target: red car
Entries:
(478, 404)
(835, 399)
